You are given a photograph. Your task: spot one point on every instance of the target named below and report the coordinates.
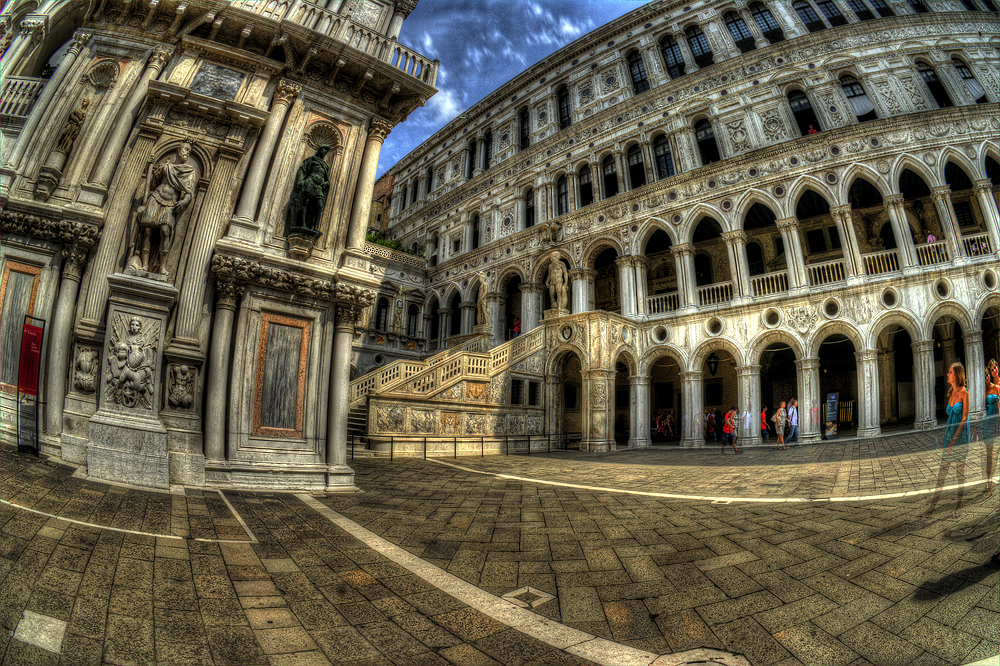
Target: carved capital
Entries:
(355, 295)
(893, 201)
(941, 194)
(733, 237)
(348, 316)
(80, 39)
(228, 293)
(286, 92)
(983, 187)
(923, 346)
(379, 129)
(682, 250)
(159, 58)
(866, 355)
(74, 259)
(405, 7)
(841, 212)
(788, 224)
(34, 28)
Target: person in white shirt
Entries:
(793, 422)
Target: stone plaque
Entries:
(218, 82)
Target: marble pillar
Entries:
(974, 375)
(988, 207)
(640, 267)
(794, 258)
(867, 360)
(531, 305)
(74, 259)
(578, 290)
(599, 411)
(626, 284)
(227, 296)
(949, 227)
(907, 254)
(361, 210)
(853, 266)
(736, 246)
(692, 424)
(444, 326)
(639, 412)
(810, 400)
(923, 379)
(339, 476)
(468, 309)
(748, 386)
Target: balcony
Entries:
(933, 253)
(662, 303)
(715, 294)
(769, 283)
(826, 272)
(977, 245)
(18, 96)
(877, 263)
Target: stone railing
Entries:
(662, 303)
(932, 253)
(516, 349)
(977, 245)
(826, 272)
(468, 365)
(19, 95)
(713, 294)
(876, 263)
(769, 283)
(395, 255)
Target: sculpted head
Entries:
(184, 151)
(135, 326)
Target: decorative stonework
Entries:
(85, 369)
(181, 381)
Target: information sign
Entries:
(832, 407)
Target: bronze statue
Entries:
(309, 194)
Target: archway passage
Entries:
(665, 400)
(949, 347)
(991, 334)
(838, 374)
(456, 316)
(434, 326)
(661, 274)
(623, 405)
(567, 412)
(606, 291)
(778, 378)
(720, 391)
(512, 307)
(897, 377)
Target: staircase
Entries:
(357, 424)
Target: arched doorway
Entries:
(607, 295)
(623, 421)
(456, 315)
(433, 324)
(566, 404)
(778, 379)
(512, 307)
(720, 390)
(897, 377)
(838, 373)
(665, 400)
(991, 333)
(949, 347)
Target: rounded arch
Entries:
(706, 347)
(541, 264)
(757, 346)
(557, 357)
(989, 300)
(626, 352)
(916, 165)
(825, 330)
(753, 196)
(901, 318)
(799, 187)
(947, 309)
(597, 246)
(646, 230)
(694, 216)
(507, 274)
(853, 173)
(659, 352)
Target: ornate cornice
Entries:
(229, 269)
(82, 235)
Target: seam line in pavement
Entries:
(556, 634)
(647, 493)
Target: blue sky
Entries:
(482, 44)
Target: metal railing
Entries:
(769, 283)
(886, 261)
(712, 294)
(662, 303)
(452, 447)
(19, 95)
(826, 272)
(976, 245)
(932, 253)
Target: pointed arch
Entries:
(597, 246)
(646, 230)
(916, 165)
(706, 347)
(859, 170)
(754, 195)
(947, 309)
(953, 154)
(799, 187)
(842, 326)
(694, 216)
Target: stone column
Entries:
(788, 20)
(946, 214)
(923, 384)
(531, 305)
(361, 209)
(620, 169)
(578, 290)
(108, 161)
(444, 326)
(468, 309)
(810, 400)
(853, 265)
(690, 66)
(480, 155)
(641, 265)
(988, 207)
(467, 155)
(38, 111)
(639, 421)
(626, 284)
(553, 400)
(794, 259)
(868, 425)
(647, 156)
(541, 203)
(759, 42)
(736, 246)
(748, 382)
(74, 259)
(597, 181)
(887, 387)
(904, 239)
(340, 477)
(227, 295)
(495, 303)
(31, 32)
(599, 411)
(396, 24)
(692, 426)
(686, 289)
(571, 191)
(946, 333)
(975, 362)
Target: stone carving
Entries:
(737, 134)
(476, 424)
(609, 81)
(803, 318)
(180, 390)
(85, 373)
(169, 190)
(422, 421)
(450, 422)
(774, 128)
(888, 98)
(550, 232)
(131, 362)
(389, 419)
(312, 182)
(476, 391)
(557, 284)
(534, 425)
(72, 129)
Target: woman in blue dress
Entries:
(956, 433)
(991, 429)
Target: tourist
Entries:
(765, 432)
(517, 326)
(812, 130)
(931, 238)
(991, 430)
(793, 421)
(954, 444)
(710, 426)
(779, 426)
(728, 431)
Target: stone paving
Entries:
(813, 582)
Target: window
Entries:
(529, 208)
(740, 32)
(918, 7)
(475, 232)
(929, 76)
(516, 391)
(705, 136)
(414, 191)
(663, 156)
(412, 314)
(702, 269)
(430, 179)
(524, 129)
(562, 196)
(456, 246)
(860, 10)
(803, 112)
(963, 214)
(487, 149)
(637, 69)
(816, 241)
(779, 246)
(699, 46)
(882, 8)
(636, 168)
(673, 60)
(470, 163)
(808, 16)
(586, 187)
(755, 259)
(971, 84)
(382, 314)
(831, 12)
(610, 177)
(863, 108)
(564, 111)
(765, 21)
(534, 394)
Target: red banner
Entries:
(31, 358)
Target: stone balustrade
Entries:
(826, 272)
(977, 245)
(662, 303)
(18, 96)
(933, 253)
(886, 261)
(713, 294)
(769, 283)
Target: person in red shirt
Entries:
(728, 431)
(517, 326)
(764, 432)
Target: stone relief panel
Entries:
(773, 125)
(131, 354)
(477, 424)
(802, 318)
(476, 392)
(498, 388)
(515, 424)
(181, 382)
(610, 80)
(85, 369)
(533, 425)
(389, 419)
(451, 423)
(422, 421)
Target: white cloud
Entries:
(445, 105)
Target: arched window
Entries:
(636, 168)
(702, 269)
(470, 164)
(673, 60)
(487, 149)
(705, 136)
(991, 5)
(699, 46)
(765, 21)
(382, 314)
(755, 259)
(430, 179)
(882, 8)
(564, 111)
(524, 129)
(740, 32)
(562, 196)
(971, 84)
(664, 158)
(529, 208)
(934, 84)
(475, 232)
(414, 191)
(412, 314)
(586, 186)
(860, 10)
(918, 6)
(858, 98)
(637, 69)
(808, 16)
(610, 177)
(803, 112)
(831, 12)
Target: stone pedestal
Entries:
(553, 313)
(483, 329)
(128, 441)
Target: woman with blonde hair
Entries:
(991, 429)
(779, 425)
(954, 444)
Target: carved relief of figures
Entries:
(550, 232)
(72, 129)
(85, 374)
(389, 420)
(131, 362)
(557, 284)
(168, 192)
(181, 387)
(312, 182)
(422, 421)
(476, 392)
(476, 424)
(450, 422)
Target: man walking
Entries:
(793, 421)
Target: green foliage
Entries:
(379, 238)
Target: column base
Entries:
(926, 424)
(634, 443)
(869, 432)
(242, 229)
(553, 313)
(340, 479)
(810, 438)
(693, 443)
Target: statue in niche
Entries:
(169, 190)
(73, 126)
(85, 375)
(312, 182)
(557, 284)
(131, 359)
(482, 311)
(181, 391)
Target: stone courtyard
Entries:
(839, 553)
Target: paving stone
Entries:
(512, 648)
(467, 655)
(812, 645)
(725, 611)
(745, 636)
(851, 614)
(879, 646)
(129, 641)
(235, 645)
(686, 630)
(469, 624)
(949, 644)
(793, 614)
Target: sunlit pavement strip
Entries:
(574, 641)
(711, 498)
